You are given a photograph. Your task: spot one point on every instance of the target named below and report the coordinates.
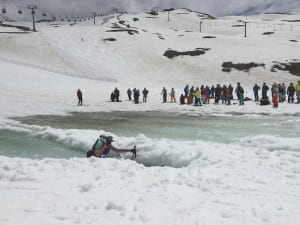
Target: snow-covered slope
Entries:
(137, 60)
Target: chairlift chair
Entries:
(20, 12)
(4, 10)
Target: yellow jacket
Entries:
(297, 87)
(197, 94)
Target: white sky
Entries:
(214, 7)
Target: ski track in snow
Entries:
(239, 183)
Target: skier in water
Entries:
(79, 96)
(103, 145)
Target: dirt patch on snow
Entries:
(159, 36)
(238, 25)
(291, 67)
(228, 66)
(268, 33)
(109, 39)
(172, 53)
(208, 37)
(291, 21)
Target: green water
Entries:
(14, 144)
(157, 125)
(172, 126)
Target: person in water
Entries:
(102, 147)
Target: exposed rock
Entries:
(291, 67)
(228, 66)
(172, 53)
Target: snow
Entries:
(213, 183)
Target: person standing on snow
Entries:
(218, 92)
(129, 92)
(264, 91)
(203, 94)
(79, 96)
(238, 90)
(164, 94)
(240, 93)
(291, 92)
(117, 94)
(298, 91)
(283, 92)
(229, 94)
(145, 95)
(212, 91)
(136, 95)
(173, 99)
(224, 94)
(186, 90)
(197, 95)
(208, 94)
(182, 99)
(256, 88)
(275, 95)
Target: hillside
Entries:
(127, 50)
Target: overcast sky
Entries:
(213, 7)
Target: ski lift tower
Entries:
(168, 10)
(3, 11)
(33, 8)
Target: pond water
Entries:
(70, 136)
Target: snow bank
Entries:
(112, 191)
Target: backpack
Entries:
(98, 144)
